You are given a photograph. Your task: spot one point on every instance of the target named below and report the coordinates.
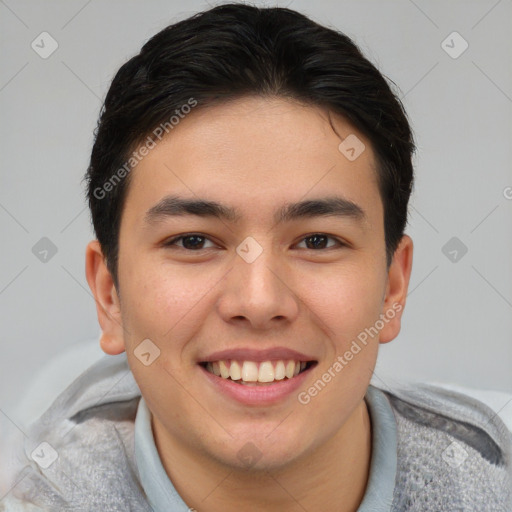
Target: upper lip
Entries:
(257, 355)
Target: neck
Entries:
(332, 478)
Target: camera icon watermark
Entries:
(44, 45)
(249, 250)
(352, 147)
(507, 193)
(44, 455)
(454, 249)
(147, 352)
(44, 250)
(249, 454)
(454, 455)
(454, 45)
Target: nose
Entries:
(260, 294)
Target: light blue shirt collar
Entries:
(162, 496)
(381, 480)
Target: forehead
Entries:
(257, 153)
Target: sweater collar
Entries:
(378, 497)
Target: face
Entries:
(249, 244)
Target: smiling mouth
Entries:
(252, 373)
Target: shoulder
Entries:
(453, 451)
(79, 455)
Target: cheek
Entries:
(347, 300)
(161, 307)
(156, 297)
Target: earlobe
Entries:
(399, 274)
(107, 301)
(110, 344)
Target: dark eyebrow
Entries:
(329, 206)
(178, 206)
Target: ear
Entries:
(396, 290)
(107, 300)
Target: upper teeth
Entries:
(250, 371)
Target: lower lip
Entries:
(257, 395)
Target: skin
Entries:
(254, 154)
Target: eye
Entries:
(192, 242)
(317, 241)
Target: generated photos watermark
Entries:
(305, 397)
(143, 150)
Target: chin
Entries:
(253, 460)
(259, 453)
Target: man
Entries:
(248, 187)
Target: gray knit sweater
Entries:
(453, 453)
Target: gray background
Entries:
(458, 320)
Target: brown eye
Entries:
(192, 242)
(319, 241)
